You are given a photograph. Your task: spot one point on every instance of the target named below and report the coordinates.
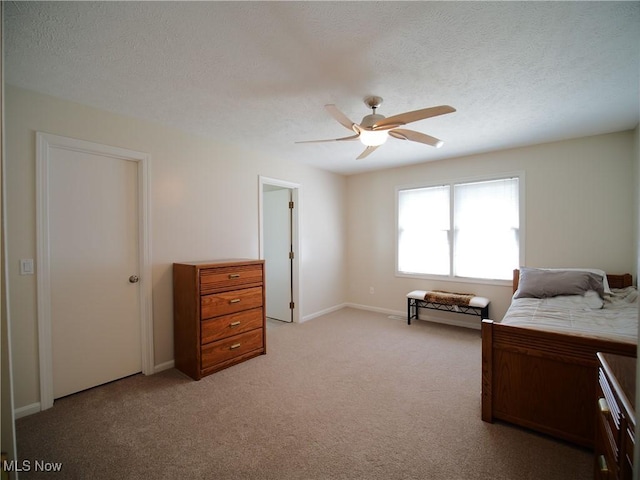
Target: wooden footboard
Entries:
(544, 381)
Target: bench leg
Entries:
(412, 309)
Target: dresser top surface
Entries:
(221, 262)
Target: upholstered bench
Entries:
(468, 304)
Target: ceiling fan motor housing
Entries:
(370, 120)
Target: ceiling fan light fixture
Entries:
(373, 138)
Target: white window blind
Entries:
(462, 229)
(424, 223)
(486, 216)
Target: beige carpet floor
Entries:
(350, 395)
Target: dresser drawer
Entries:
(225, 303)
(216, 279)
(605, 450)
(223, 350)
(628, 443)
(222, 327)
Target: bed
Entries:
(539, 372)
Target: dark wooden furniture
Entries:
(219, 314)
(544, 380)
(616, 419)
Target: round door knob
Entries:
(133, 279)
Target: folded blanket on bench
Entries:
(448, 298)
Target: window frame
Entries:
(520, 175)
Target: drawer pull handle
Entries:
(603, 406)
(602, 464)
(234, 275)
(237, 300)
(234, 346)
(234, 324)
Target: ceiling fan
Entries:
(374, 129)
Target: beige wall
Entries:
(636, 198)
(636, 176)
(7, 426)
(204, 205)
(579, 198)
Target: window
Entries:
(460, 229)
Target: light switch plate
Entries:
(26, 266)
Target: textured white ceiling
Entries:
(258, 74)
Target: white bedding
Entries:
(614, 318)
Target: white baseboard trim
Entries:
(164, 366)
(386, 311)
(323, 312)
(473, 322)
(26, 410)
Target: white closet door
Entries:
(277, 245)
(93, 228)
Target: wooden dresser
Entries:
(615, 431)
(218, 314)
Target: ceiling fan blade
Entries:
(352, 137)
(414, 136)
(367, 151)
(339, 116)
(408, 117)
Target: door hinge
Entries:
(292, 305)
(291, 255)
(290, 204)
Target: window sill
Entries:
(465, 280)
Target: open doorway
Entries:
(279, 248)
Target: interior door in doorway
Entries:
(94, 261)
(277, 248)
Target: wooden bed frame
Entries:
(544, 381)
